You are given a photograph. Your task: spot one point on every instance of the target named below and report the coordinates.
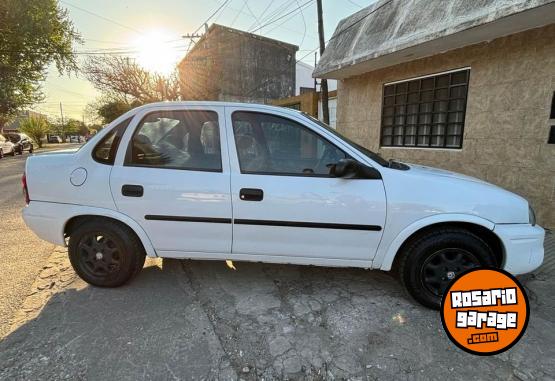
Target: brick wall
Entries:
(512, 80)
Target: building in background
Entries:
(310, 102)
(466, 85)
(305, 81)
(231, 65)
(21, 116)
(307, 98)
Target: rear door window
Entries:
(184, 139)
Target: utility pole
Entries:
(323, 81)
(315, 79)
(62, 115)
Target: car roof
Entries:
(258, 106)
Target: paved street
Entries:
(202, 320)
(22, 254)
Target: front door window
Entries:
(272, 145)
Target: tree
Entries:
(33, 35)
(113, 109)
(36, 128)
(69, 127)
(123, 81)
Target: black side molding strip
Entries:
(188, 219)
(317, 225)
(297, 224)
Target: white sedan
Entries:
(228, 181)
(6, 146)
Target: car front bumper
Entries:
(523, 247)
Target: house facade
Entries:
(465, 85)
(227, 64)
(13, 126)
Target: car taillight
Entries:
(25, 189)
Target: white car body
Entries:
(355, 223)
(6, 146)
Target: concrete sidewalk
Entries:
(201, 320)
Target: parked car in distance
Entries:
(245, 182)
(6, 146)
(21, 141)
(76, 139)
(54, 139)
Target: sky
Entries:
(151, 32)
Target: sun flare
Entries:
(158, 52)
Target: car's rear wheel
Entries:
(13, 151)
(429, 262)
(1, 153)
(105, 253)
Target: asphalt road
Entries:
(22, 254)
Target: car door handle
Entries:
(132, 190)
(251, 194)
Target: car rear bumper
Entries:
(523, 245)
(45, 221)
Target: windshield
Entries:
(372, 155)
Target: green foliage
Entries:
(33, 34)
(69, 127)
(36, 128)
(110, 110)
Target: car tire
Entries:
(20, 150)
(1, 154)
(430, 261)
(105, 253)
(31, 149)
(13, 152)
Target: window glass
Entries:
(179, 140)
(435, 102)
(105, 151)
(270, 144)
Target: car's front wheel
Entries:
(430, 261)
(105, 253)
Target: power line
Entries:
(304, 33)
(239, 12)
(281, 8)
(355, 4)
(270, 2)
(283, 16)
(212, 15)
(359, 20)
(102, 17)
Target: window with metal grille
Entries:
(425, 112)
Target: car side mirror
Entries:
(352, 169)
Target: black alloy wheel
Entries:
(443, 266)
(105, 253)
(432, 259)
(99, 254)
